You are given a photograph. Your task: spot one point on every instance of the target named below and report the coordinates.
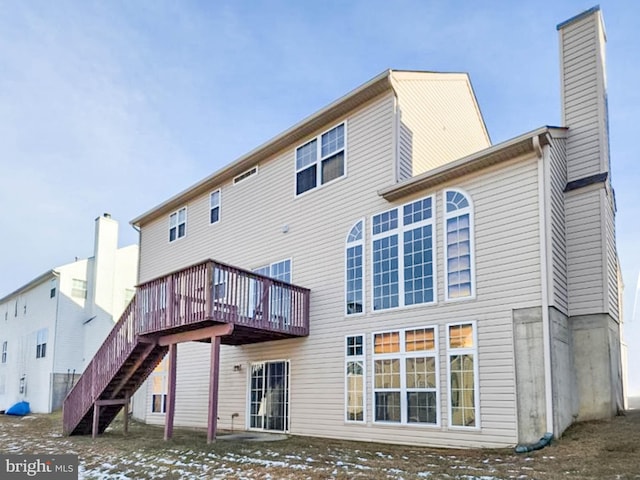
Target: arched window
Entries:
(458, 241)
(354, 288)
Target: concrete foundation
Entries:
(596, 355)
(529, 362)
(61, 384)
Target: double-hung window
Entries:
(405, 378)
(458, 242)
(354, 379)
(41, 342)
(320, 160)
(354, 290)
(178, 224)
(4, 352)
(278, 296)
(159, 387)
(78, 288)
(403, 256)
(462, 353)
(214, 207)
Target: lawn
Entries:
(590, 450)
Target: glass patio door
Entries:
(269, 396)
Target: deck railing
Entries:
(207, 291)
(226, 294)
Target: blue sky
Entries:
(116, 106)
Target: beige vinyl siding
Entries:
(441, 117)
(612, 255)
(192, 385)
(583, 87)
(317, 363)
(557, 182)
(405, 153)
(585, 269)
(250, 235)
(253, 213)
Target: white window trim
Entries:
(177, 213)
(247, 415)
(165, 374)
(356, 358)
(211, 207)
(319, 159)
(363, 243)
(476, 379)
(472, 233)
(403, 355)
(400, 230)
(4, 354)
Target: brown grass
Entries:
(590, 450)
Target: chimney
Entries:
(104, 253)
(584, 94)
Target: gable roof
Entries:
(493, 155)
(378, 85)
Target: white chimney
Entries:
(104, 252)
(584, 94)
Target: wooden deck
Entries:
(203, 295)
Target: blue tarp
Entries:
(20, 409)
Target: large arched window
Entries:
(354, 288)
(458, 241)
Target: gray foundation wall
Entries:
(529, 362)
(596, 355)
(563, 372)
(61, 384)
(586, 372)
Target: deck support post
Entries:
(96, 420)
(171, 392)
(213, 389)
(126, 414)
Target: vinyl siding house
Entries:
(51, 327)
(381, 272)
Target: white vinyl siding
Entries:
(584, 95)
(585, 255)
(556, 184)
(612, 265)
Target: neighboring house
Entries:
(456, 293)
(51, 327)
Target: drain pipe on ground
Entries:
(544, 292)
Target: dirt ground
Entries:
(590, 450)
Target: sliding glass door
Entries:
(269, 396)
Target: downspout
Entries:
(546, 327)
(546, 322)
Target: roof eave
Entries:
(332, 112)
(493, 155)
(28, 286)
